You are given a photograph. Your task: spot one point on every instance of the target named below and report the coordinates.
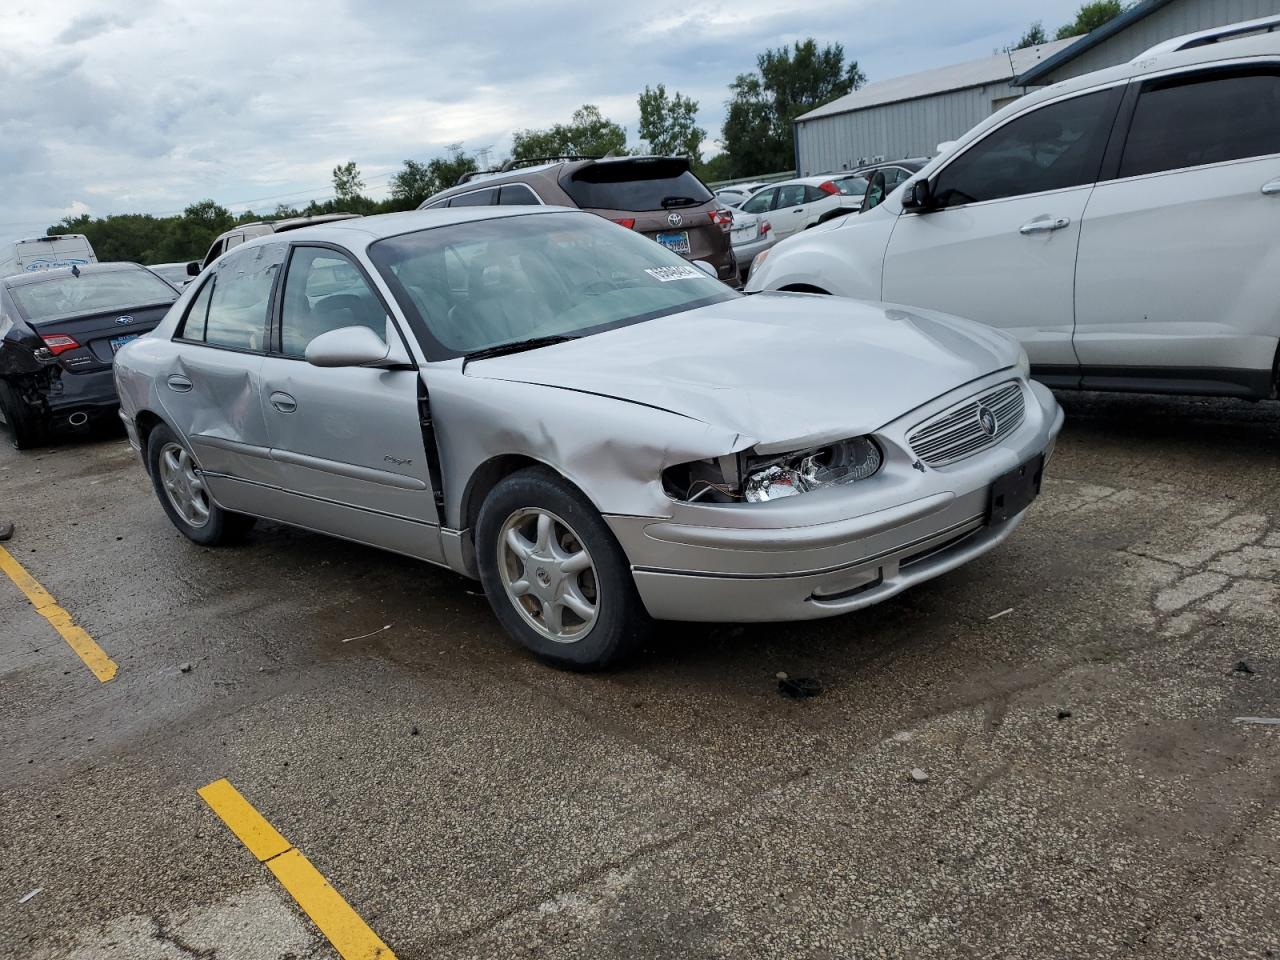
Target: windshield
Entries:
(470, 286)
(852, 186)
(91, 292)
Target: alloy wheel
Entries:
(183, 484)
(548, 574)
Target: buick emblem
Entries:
(675, 219)
(123, 320)
(987, 421)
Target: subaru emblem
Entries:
(675, 219)
(987, 421)
(123, 320)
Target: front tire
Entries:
(180, 487)
(554, 574)
(27, 427)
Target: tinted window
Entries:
(324, 291)
(813, 194)
(474, 285)
(480, 198)
(642, 184)
(761, 202)
(1051, 148)
(791, 195)
(231, 308)
(517, 193)
(91, 292)
(1187, 122)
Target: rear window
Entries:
(68, 296)
(661, 184)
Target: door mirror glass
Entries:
(918, 197)
(193, 268)
(346, 347)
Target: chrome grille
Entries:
(958, 433)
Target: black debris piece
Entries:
(1242, 667)
(1064, 714)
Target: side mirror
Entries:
(706, 268)
(193, 268)
(919, 197)
(347, 347)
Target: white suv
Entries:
(1124, 225)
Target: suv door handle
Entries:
(283, 402)
(180, 384)
(1271, 188)
(1043, 226)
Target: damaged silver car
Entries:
(592, 426)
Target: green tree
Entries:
(417, 180)
(588, 133)
(763, 106)
(1034, 36)
(669, 124)
(1089, 17)
(348, 185)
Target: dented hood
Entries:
(782, 370)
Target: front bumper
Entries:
(841, 549)
(747, 252)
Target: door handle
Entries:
(798, 210)
(283, 402)
(1043, 226)
(180, 384)
(1271, 188)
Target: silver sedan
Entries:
(594, 428)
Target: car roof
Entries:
(40, 276)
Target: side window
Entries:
(813, 194)
(517, 193)
(1057, 146)
(761, 202)
(437, 205)
(230, 310)
(1205, 118)
(323, 291)
(791, 195)
(481, 198)
(235, 240)
(214, 253)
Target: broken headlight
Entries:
(833, 465)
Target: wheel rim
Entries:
(548, 574)
(183, 485)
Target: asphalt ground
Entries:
(1071, 698)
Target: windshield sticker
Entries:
(666, 274)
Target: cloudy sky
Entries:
(118, 106)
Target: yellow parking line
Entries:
(350, 935)
(94, 657)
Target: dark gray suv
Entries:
(659, 197)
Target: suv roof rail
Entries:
(1201, 38)
(513, 164)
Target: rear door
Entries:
(1179, 266)
(790, 211)
(347, 442)
(211, 390)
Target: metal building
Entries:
(910, 116)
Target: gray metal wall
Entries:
(909, 128)
(1179, 17)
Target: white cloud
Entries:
(129, 106)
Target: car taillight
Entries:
(58, 343)
(765, 227)
(828, 187)
(722, 218)
(628, 222)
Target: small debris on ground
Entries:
(30, 894)
(902, 736)
(414, 731)
(1064, 714)
(1261, 721)
(1002, 613)
(369, 634)
(1242, 667)
(919, 776)
(185, 668)
(6, 530)
(798, 688)
(781, 674)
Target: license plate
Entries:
(118, 342)
(1013, 492)
(746, 233)
(676, 242)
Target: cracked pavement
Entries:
(1088, 792)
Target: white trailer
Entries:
(45, 253)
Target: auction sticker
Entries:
(681, 272)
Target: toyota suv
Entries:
(659, 197)
(1121, 224)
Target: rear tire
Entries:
(27, 427)
(180, 488)
(554, 574)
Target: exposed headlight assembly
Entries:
(760, 479)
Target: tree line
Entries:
(756, 139)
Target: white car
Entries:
(735, 194)
(1123, 225)
(796, 205)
